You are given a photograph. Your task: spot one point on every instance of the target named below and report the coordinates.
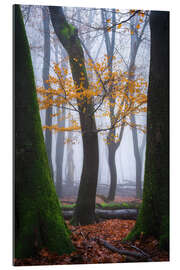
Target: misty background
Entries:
(89, 23)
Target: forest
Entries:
(91, 106)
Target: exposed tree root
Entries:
(139, 255)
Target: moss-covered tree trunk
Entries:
(153, 218)
(68, 36)
(38, 220)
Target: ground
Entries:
(90, 248)
(117, 199)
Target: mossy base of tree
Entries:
(148, 224)
(38, 219)
(153, 219)
(40, 224)
(137, 232)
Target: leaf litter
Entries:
(90, 249)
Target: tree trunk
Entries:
(46, 65)
(68, 36)
(113, 172)
(38, 220)
(85, 209)
(59, 157)
(153, 218)
(137, 159)
(60, 135)
(112, 146)
(70, 163)
(142, 151)
(135, 43)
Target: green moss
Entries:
(67, 31)
(68, 206)
(124, 205)
(38, 219)
(153, 218)
(107, 206)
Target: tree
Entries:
(59, 157)
(46, 65)
(60, 140)
(87, 97)
(38, 218)
(70, 162)
(112, 145)
(110, 47)
(136, 39)
(68, 36)
(153, 218)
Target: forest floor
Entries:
(102, 243)
(100, 199)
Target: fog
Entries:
(93, 38)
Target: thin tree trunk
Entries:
(138, 159)
(46, 65)
(142, 150)
(59, 142)
(68, 36)
(70, 163)
(110, 43)
(113, 172)
(135, 43)
(59, 158)
(38, 220)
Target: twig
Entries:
(82, 234)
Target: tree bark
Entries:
(138, 160)
(68, 36)
(38, 222)
(59, 158)
(112, 146)
(70, 163)
(113, 172)
(46, 65)
(60, 135)
(153, 218)
(135, 43)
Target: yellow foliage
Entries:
(138, 26)
(119, 96)
(119, 26)
(132, 11)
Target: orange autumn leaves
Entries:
(132, 12)
(90, 251)
(108, 89)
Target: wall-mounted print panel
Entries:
(91, 135)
